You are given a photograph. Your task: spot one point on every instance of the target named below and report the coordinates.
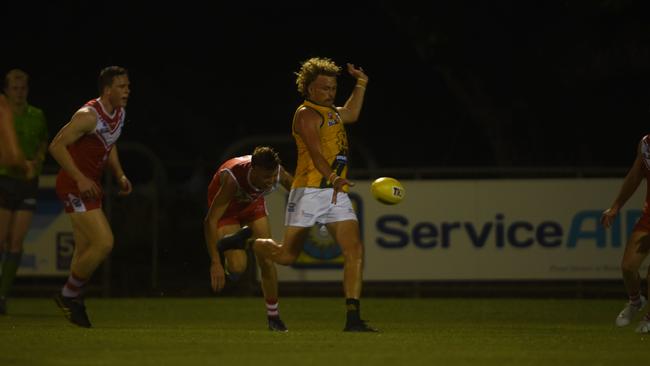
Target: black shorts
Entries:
(17, 194)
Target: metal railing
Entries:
(152, 189)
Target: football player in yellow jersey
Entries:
(319, 191)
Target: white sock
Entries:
(272, 308)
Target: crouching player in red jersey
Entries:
(82, 148)
(237, 211)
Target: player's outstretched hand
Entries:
(357, 72)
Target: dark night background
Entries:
(470, 83)
(453, 84)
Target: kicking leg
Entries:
(282, 253)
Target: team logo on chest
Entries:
(106, 134)
(331, 119)
(107, 127)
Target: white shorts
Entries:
(308, 206)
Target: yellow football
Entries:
(388, 190)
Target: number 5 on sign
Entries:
(64, 249)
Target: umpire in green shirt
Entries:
(18, 189)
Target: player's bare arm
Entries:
(630, 185)
(215, 212)
(286, 179)
(114, 163)
(10, 153)
(307, 122)
(352, 108)
(38, 160)
(82, 123)
(32, 166)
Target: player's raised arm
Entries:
(352, 108)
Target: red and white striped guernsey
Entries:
(91, 151)
(239, 168)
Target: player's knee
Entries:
(260, 245)
(105, 246)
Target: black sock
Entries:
(353, 310)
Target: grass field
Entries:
(232, 331)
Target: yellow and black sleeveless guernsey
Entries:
(334, 146)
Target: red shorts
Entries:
(252, 212)
(68, 193)
(72, 202)
(643, 224)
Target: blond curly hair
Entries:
(310, 69)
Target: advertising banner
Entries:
(541, 229)
(49, 244)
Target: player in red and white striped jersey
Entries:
(236, 199)
(638, 243)
(83, 147)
